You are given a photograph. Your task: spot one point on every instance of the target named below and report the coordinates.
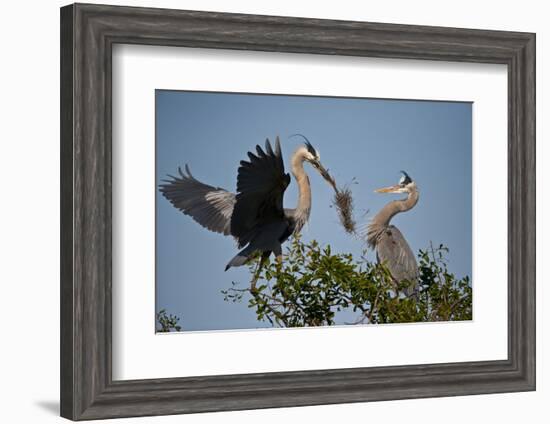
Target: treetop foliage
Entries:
(313, 284)
(167, 322)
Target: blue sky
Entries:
(369, 140)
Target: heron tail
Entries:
(241, 258)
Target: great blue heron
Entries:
(390, 245)
(255, 215)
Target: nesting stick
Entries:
(343, 201)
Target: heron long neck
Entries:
(301, 213)
(382, 219)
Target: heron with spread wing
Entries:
(255, 215)
(388, 242)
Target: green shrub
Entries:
(312, 284)
(167, 322)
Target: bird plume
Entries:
(308, 145)
(405, 179)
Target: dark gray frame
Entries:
(88, 33)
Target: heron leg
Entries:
(278, 251)
(258, 270)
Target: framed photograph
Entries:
(263, 211)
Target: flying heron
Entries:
(255, 215)
(388, 242)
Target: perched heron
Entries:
(254, 216)
(388, 242)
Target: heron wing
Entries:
(210, 206)
(393, 250)
(261, 183)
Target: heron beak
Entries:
(393, 189)
(324, 173)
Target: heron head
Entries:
(405, 185)
(307, 151)
(312, 156)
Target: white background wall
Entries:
(29, 211)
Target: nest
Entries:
(343, 201)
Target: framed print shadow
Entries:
(198, 212)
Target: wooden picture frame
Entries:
(88, 33)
